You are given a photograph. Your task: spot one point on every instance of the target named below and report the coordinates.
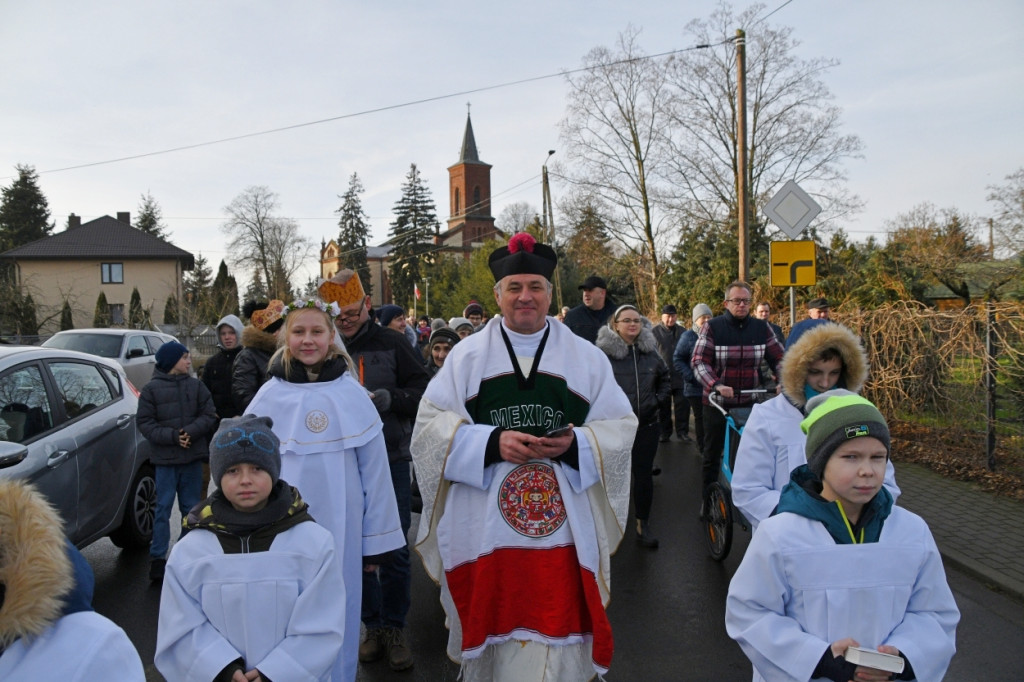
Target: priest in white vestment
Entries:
(519, 523)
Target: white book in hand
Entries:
(869, 658)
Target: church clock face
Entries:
(530, 500)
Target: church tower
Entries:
(469, 195)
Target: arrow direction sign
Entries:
(792, 209)
(793, 264)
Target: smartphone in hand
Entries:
(558, 431)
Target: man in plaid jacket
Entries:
(727, 360)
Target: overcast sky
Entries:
(934, 90)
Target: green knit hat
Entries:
(835, 417)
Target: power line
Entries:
(377, 110)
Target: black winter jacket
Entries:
(217, 377)
(250, 369)
(668, 339)
(384, 359)
(585, 322)
(173, 402)
(639, 371)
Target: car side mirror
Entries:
(11, 454)
(135, 353)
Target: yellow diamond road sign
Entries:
(793, 264)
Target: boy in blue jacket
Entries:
(176, 415)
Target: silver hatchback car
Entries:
(67, 425)
(133, 349)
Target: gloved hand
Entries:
(381, 400)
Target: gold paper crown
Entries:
(261, 319)
(343, 294)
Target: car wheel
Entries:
(136, 529)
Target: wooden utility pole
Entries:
(742, 193)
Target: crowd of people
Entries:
(531, 436)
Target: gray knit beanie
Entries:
(247, 440)
(835, 417)
(699, 310)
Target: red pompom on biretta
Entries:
(521, 241)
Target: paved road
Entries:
(667, 606)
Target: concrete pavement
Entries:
(976, 531)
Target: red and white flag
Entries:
(416, 290)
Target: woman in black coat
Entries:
(630, 345)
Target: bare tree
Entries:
(1008, 221)
(269, 244)
(794, 128)
(613, 130)
(515, 217)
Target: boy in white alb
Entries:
(839, 565)
(243, 596)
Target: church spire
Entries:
(469, 153)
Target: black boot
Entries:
(643, 535)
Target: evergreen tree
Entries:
(411, 232)
(24, 211)
(353, 232)
(224, 294)
(197, 285)
(29, 325)
(256, 291)
(149, 218)
(171, 310)
(136, 317)
(67, 320)
(101, 317)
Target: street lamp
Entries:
(549, 221)
(545, 199)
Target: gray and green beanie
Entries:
(835, 417)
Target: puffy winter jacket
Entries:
(383, 359)
(681, 360)
(170, 403)
(639, 371)
(217, 372)
(250, 369)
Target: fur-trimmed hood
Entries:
(799, 356)
(612, 344)
(258, 339)
(34, 565)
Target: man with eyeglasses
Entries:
(726, 360)
(387, 366)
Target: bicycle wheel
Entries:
(718, 521)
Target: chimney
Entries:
(74, 221)
(124, 217)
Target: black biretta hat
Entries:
(524, 255)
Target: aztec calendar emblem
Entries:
(316, 421)
(530, 500)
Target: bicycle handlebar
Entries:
(715, 397)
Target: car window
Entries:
(138, 341)
(155, 342)
(81, 387)
(115, 380)
(24, 406)
(103, 345)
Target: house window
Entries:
(112, 273)
(458, 202)
(476, 200)
(116, 313)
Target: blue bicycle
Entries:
(719, 512)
